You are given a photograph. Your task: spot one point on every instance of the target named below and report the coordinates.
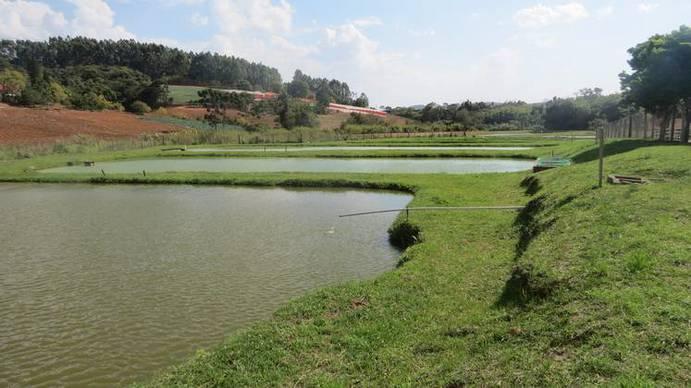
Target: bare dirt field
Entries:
(44, 125)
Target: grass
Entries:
(182, 94)
(584, 286)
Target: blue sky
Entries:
(398, 52)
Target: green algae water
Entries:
(357, 165)
(106, 285)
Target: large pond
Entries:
(359, 148)
(361, 165)
(104, 285)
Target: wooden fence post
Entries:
(601, 154)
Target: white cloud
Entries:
(262, 31)
(236, 15)
(647, 7)
(94, 18)
(199, 20)
(36, 20)
(351, 43)
(541, 15)
(29, 20)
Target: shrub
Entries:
(404, 234)
(36, 95)
(92, 101)
(139, 107)
(58, 92)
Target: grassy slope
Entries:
(586, 286)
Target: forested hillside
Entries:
(154, 60)
(92, 74)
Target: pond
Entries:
(358, 148)
(357, 165)
(105, 285)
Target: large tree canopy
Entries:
(660, 81)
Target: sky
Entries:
(399, 52)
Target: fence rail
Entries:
(640, 125)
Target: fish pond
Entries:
(358, 148)
(341, 165)
(106, 285)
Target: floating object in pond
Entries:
(551, 162)
(175, 149)
(625, 180)
(331, 231)
(89, 163)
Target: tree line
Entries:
(576, 113)
(324, 91)
(155, 60)
(660, 81)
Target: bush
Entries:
(92, 101)
(36, 95)
(404, 234)
(139, 107)
(295, 113)
(58, 92)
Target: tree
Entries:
(12, 83)
(362, 101)
(155, 95)
(567, 115)
(323, 97)
(216, 105)
(298, 88)
(294, 113)
(661, 81)
(218, 102)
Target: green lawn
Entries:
(184, 94)
(584, 286)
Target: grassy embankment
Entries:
(585, 286)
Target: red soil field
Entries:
(45, 125)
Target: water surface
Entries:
(105, 285)
(358, 165)
(358, 148)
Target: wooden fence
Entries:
(640, 125)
